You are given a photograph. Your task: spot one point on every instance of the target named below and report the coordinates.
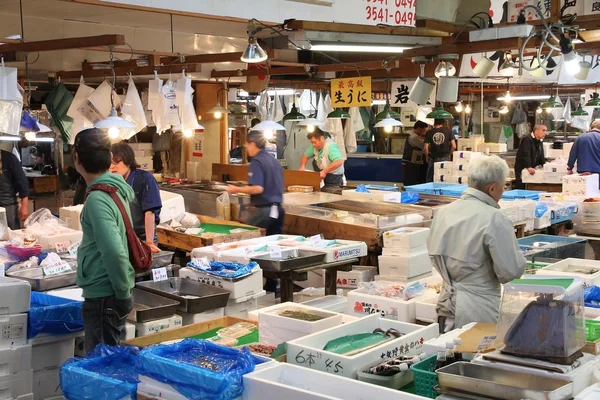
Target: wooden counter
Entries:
(42, 183)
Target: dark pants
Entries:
(413, 174)
(330, 179)
(260, 216)
(104, 321)
(430, 168)
(12, 217)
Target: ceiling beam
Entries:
(441, 26)
(64, 44)
(127, 50)
(369, 29)
(100, 73)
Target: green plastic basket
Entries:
(592, 329)
(425, 378)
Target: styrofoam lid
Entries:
(550, 284)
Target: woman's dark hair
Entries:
(124, 152)
(258, 138)
(93, 149)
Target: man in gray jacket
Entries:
(472, 244)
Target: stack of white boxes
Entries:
(143, 155)
(492, 148)
(469, 144)
(71, 215)
(16, 374)
(554, 171)
(443, 171)
(405, 256)
(580, 185)
(462, 161)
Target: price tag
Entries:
(56, 268)
(73, 248)
(159, 274)
(392, 197)
(316, 240)
(275, 252)
(202, 262)
(486, 343)
(63, 247)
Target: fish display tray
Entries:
(162, 259)
(148, 306)
(41, 283)
(297, 259)
(193, 297)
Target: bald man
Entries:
(586, 151)
(530, 154)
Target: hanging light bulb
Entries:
(388, 129)
(188, 133)
(218, 114)
(507, 97)
(468, 109)
(503, 110)
(268, 134)
(508, 67)
(445, 67)
(113, 132)
(30, 136)
(539, 110)
(459, 107)
(310, 128)
(569, 56)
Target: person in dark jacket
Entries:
(414, 167)
(530, 153)
(12, 182)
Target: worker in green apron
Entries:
(328, 159)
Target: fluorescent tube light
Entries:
(533, 97)
(357, 48)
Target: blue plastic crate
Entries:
(562, 215)
(520, 194)
(442, 189)
(385, 188)
(53, 315)
(552, 246)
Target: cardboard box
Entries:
(15, 359)
(14, 330)
(15, 297)
(359, 274)
(406, 238)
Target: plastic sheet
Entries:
(132, 110)
(541, 208)
(42, 217)
(409, 197)
(107, 373)
(29, 122)
(362, 189)
(228, 270)
(591, 296)
(10, 116)
(53, 315)
(391, 289)
(198, 369)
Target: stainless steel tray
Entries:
(495, 383)
(291, 259)
(148, 306)
(162, 259)
(193, 297)
(41, 283)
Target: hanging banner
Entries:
(400, 91)
(351, 92)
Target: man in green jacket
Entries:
(103, 268)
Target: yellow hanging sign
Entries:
(351, 92)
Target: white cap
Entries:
(442, 347)
(458, 341)
(403, 367)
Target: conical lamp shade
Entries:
(552, 103)
(294, 115)
(594, 101)
(338, 113)
(254, 53)
(579, 112)
(484, 67)
(388, 112)
(421, 91)
(439, 113)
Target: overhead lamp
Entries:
(310, 124)
(584, 70)
(423, 87)
(503, 109)
(254, 53)
(484, 67)
(459, 107)
(539, 110)
(294, 114)
(339, 113)
(508, 67)
(569, 56)
(445, 67)
(388, 123)
(387, 110)
(218, 110)
(447, 90)
(188, 133)
(116, 126)
(439, 113)
(468, 109)
(594, 101)
(268, 127)
(579, 112)
(533, 97)
(357, 48)
(552, 103)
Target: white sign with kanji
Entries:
(400, 91)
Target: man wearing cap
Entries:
(414, 167)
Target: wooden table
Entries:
(287, 278)
(544, 187)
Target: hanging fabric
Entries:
(567, 111)
(189, 120)
(79, 121)
(133, 110)
(11, 101)
(277, 109)
(183, 91)
(263, 102)
(154, 92)
(58, 102)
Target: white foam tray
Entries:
(247, 286)
(14, 330)
(51, 351)
(240, 307)
(349, 249)
(15, 296)
(563, 268)
(361, 304)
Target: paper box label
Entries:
(352, 252)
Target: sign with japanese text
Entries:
(400, 91)
(590, 6)
(159, 274)
(56, 268)
(351, 92)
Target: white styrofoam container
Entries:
(425, 309)
(244, 287)
(172, 205)
(189, 319)
(430, 347)
(316, 278)
(542, 222)
(529, 225)
(71, 294)
(331, 302)
(580, 185)
(554, 167)
(442, 178)
(470, 143)
(51, 351)
(49, 242)
(538, 177)
(372, 195)
(291, 382)
(411, 343)
(274, 329)
(362, 304)
(359, 274)
(15, 360)
(46, 383)
(347, 249)
(72, 216)
(159, 325)
(14, 330)
(240, 308)
(443, 167)
(492, 147)
(464, 157)
(140, 146)
(145, 163)
(15, 297)
(406, 238)
(405, 266)
(17, 386)
(565, 267)
(461, 180)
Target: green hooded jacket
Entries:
(103, 267)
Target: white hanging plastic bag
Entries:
(581, 122)
(262, 101)
(9, 86)
(133, 110)
(154, 92)
(170, 109)
(10, 116)
(83, 92)
(97, 106)
(144, 97)
(183, 91)
(277, 110)
(189, 120)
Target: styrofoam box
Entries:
(589, 182)
(172, 205)
(14, 330)
(210, 252)
(464, 144)
(72, 216)
(80, 340)
(189, 319)
(565, 268)
(51, 351)
(430, 347)
(151, 327)
(554, 153)
(550, 177)
(446, 178)
(349, 249)
(362, 304)
(46, 383)
(359, 274)
(405, 266)
(15, 295)
(15, 360)
(542, 222)
(529, 225)
(464, 157)
(555, 167)
(316, 278)
(48, 242)
(372, 195)
(492, 147)
(461, 180)
(538, 177)
(143, 153)
(240, 308)
(443, 168)
(274, 329)
(17, 386)
(331, 302)
(140, 146)
(291, 382)
(425, 308)
(348, 366)
(71, 294)
(247, 286)
(145, 163)
(406, 238)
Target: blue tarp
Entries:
(54, 315)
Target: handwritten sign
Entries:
(62, 247)
(56, 268)
(275, 252)
(159, 274)
(316, 240)
(73, 248)
(399, 95)
(351, 92)
(202, 262)
(486, 343)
